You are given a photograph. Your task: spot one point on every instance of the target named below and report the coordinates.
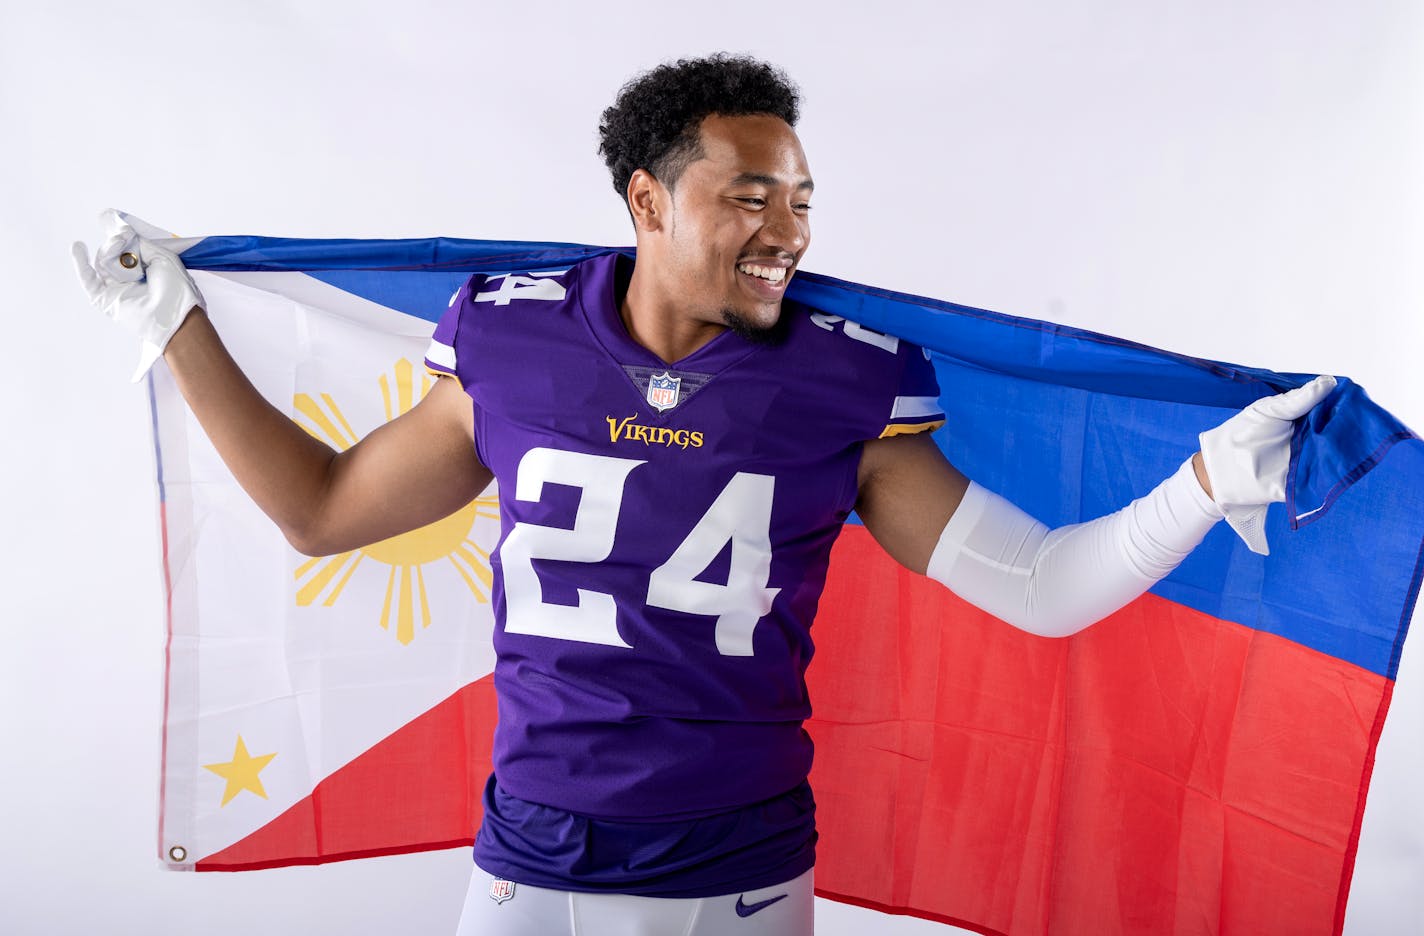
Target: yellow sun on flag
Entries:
(407, 554)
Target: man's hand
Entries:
(1246, 457)
(138, 284)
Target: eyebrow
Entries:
(756, 178)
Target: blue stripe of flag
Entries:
(1067, 423)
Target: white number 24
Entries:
(741, 514)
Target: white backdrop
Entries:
(1233, 180)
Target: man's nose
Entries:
(784, 229)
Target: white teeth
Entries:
(770, 274)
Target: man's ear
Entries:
(648, 201)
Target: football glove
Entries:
(137, 283)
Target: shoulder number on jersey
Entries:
(510, 286)
(741, 514)
(857, 331)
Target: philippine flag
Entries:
(1196, 763)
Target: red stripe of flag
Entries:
(416, 790)
(1164, 771)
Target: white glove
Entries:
(1246, 457)
(138, 284)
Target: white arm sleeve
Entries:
(1057, 582)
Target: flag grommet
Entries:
(177, 853)
(127, 260)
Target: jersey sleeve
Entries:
(440, 355)
(916, 405)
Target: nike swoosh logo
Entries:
(746, 909)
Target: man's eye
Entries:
(753, 202)
(803, 208)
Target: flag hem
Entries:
(308, 860)
(905, 911)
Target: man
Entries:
(676, 450)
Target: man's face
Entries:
(739, 223)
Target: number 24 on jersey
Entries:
(741, 514)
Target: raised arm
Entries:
(990, 553)
(412, 471)
(932, 520)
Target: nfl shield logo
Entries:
(501, 890)
(662, 391)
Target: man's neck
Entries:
(659, 322)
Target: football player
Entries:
(677, 446)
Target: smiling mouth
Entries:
(773, 275)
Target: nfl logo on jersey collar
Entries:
(663, 391)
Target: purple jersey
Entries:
(665, 532)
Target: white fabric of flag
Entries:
(281, 668)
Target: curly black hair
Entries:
(654, 124)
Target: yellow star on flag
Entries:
(241, 772)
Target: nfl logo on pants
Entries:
(501, 890)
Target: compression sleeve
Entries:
(1057, 582)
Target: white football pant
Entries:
(783, 910)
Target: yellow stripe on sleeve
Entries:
(895, 429)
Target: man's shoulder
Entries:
(497, 320)
(859, 373)
(532, 288)
(820, 335)
(494, 305)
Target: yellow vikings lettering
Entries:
(629, 431)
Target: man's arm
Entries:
(1055, 582)
(1000, 559)
(411, 471)
(908, 492)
